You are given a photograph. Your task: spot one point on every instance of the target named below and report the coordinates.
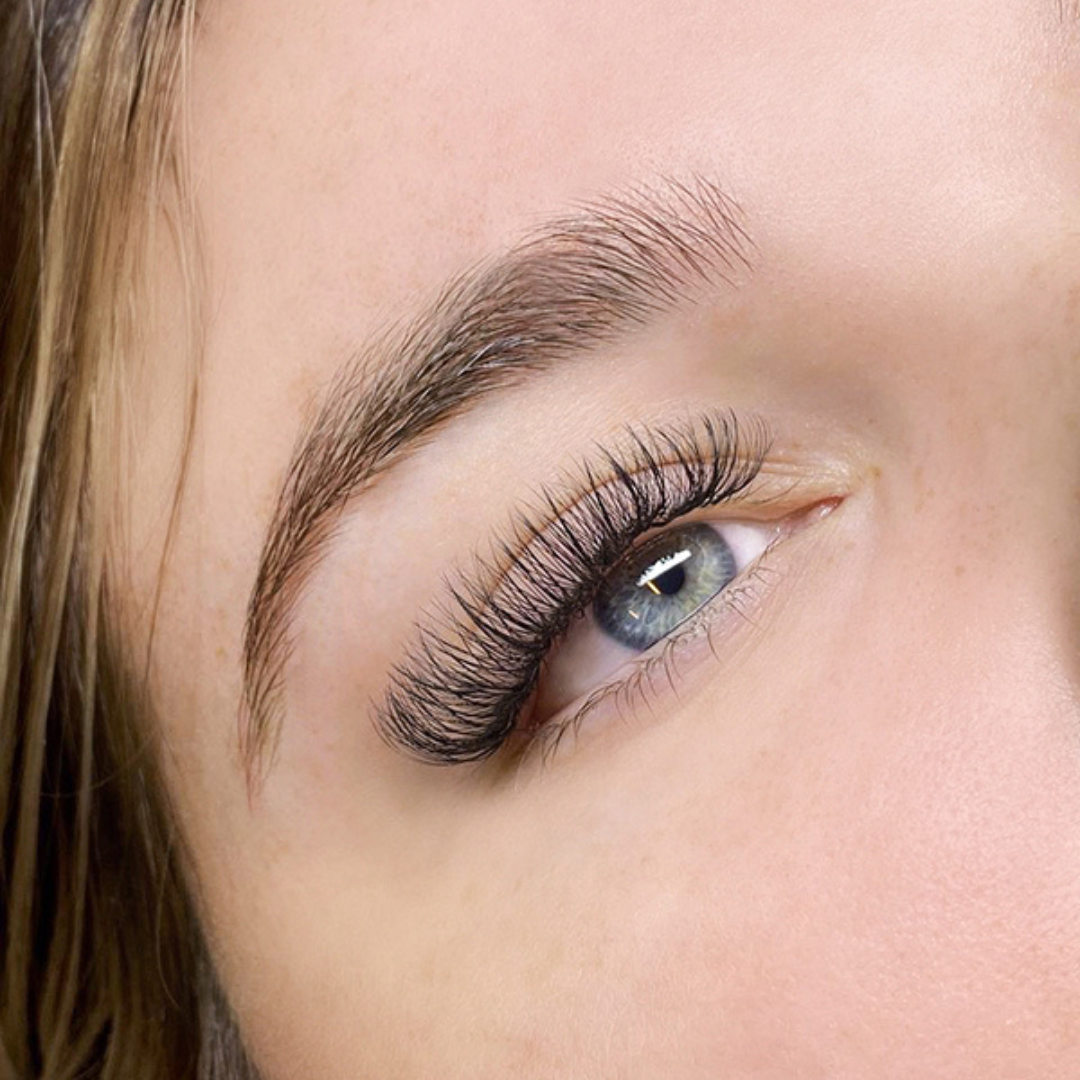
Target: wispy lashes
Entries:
(475, 663)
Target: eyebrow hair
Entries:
(582, 280)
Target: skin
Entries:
(843, 843)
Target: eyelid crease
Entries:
(475, 661)
(548, 518)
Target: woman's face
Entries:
(683, 778)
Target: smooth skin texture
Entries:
(843, 843)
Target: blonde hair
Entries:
(104, 970)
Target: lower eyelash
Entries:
(626, 692)
(475, 662)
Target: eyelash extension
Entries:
(459, 693)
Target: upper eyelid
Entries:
(554, 515)
(553, 505)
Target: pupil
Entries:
(670, 581)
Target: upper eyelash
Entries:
(458, 694)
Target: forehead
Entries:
(411, 138)
(350, 157)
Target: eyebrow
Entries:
(584, 279)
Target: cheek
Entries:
(861, 862)
(883, 920)
(879, 877)
(883, 915)
(890, 887)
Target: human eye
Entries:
(590, 586)
(653, 594)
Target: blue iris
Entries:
(662, 583)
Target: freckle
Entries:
(959, 570)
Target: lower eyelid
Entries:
(646, 675)
(643, 675)
(587, 660)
